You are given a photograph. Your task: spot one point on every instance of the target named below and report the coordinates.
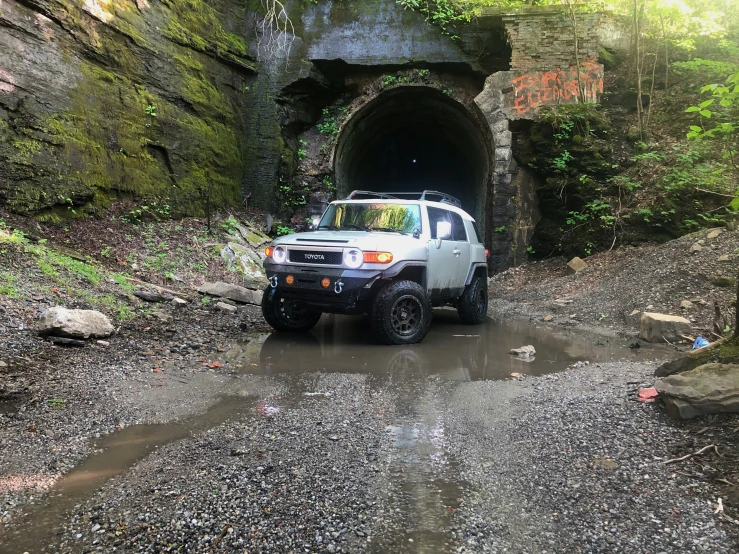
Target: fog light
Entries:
(289, 279)
(325, 282)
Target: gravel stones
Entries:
(82, 324)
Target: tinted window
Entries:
(458, 230)
(435, 216)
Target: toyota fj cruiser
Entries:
(382, 255)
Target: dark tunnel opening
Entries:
(415, 138)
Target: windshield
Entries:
(401, 218)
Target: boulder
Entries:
(576, 265)
(714, 234)
(80, 324)
(689, 361)
(707, 389)
(660, 327)
(233, 292)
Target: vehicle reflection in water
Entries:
(451, 351)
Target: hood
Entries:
(364, 240)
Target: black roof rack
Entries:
(443, 197)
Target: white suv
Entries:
(378, 254)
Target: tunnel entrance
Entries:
(413, 138)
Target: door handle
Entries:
(457, 252)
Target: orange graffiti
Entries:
(549, 87)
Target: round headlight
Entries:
(279, 255)
(353, 258)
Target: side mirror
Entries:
(314, 223)
(443, 230)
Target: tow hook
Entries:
(338, 287)
(273, 281)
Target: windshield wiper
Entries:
(387, 229)
(329, 227)
(357, 227)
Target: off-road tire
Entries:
(472, 306)
(290, 317)
(401, 313)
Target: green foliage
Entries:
(284, 230)
(230, 225)
(500, 229)
(156, 209)
(151, 110)
(302, 151)
(329, 124)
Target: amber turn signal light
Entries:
(325, 282)
(290, 279)
(268, 251)
(378, 257)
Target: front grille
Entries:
(315, 257)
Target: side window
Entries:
(435, 216)
(477, 231)
(458, 231)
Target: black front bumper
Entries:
(348, 290)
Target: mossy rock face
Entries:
(106, 105)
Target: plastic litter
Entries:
(700, 342)
(648, 395)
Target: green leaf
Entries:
(706, 113)
(693, 109)
(696, 128)
(706, 103)
(734, 204)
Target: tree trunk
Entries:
(637, 47)
(667, 57)
(573, 22)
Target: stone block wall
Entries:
(544, 38)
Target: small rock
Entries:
(3, 364)
(724, 258)
(576, 265)
(233, 292)
(696, 247)
(548, 318)
(634, 312)
(149, 296)
(516, 375)
(714, 234)
(226, 307)
(103, 343)
(686, 305)
(178, 302)
(605, 463)
(527, 351)
(164, 317)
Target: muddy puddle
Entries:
(116, 453)
(450, 351)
